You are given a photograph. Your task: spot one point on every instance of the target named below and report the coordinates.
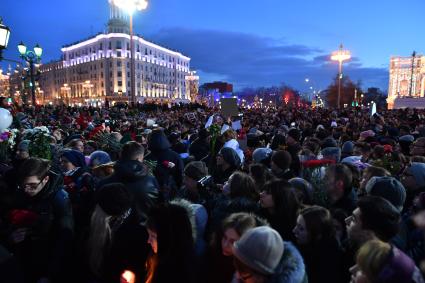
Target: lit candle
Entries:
(128, 277)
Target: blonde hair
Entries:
(371, 258)
(99, 238)
(230, 134)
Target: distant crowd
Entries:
(181, 193)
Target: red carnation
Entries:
(22, 217)
(388, 148)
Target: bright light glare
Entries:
(131, 5)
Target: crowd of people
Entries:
(179, 193)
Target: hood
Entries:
(158, 141)
(55, 184)
(291, 267)
(190, 212)
(130, 170)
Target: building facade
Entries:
(407, 80)
(97, 69)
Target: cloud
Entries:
(249, 60)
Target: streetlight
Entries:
(131, 6)
(340, 55)
(4, 37)
(32, 57)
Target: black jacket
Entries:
(199, 148)
(47, 247)
(169, 179)
(144, 187)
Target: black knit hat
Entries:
(114, 199)
(295, 134)
(230, 156)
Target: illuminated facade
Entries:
(4, 84)
(98, 69)
(402, 88)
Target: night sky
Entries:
(245, 42)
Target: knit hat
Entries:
(261, 249)
(295, 134)
(99, 157)
(302, 186)
(418, 171)
(114, 199)
(230, 156)
(388, 188)
(196, 170)
(23, 145)
(75, 157)
(261, 154)
(332, 153)
(398, 268)
(366, 134)
(407, 138)
(348, 147)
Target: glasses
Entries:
(31, 186)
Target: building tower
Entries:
(119, 21)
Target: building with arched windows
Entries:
(97, 69)
(407, 82)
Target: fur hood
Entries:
(291, 268)
(187, 205)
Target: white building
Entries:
(407, 86)
(98, 69)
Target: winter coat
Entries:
(45, 250)
(319, 270)
(169, 179)
(291, 267)
(9, 269)
(347, 203)
(234, 144)
(144, 187)
(199, 148)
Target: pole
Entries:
(132, 63)
(339, 84)
(411, 74)
(32, 82)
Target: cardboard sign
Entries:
(229, 107)
(209, 122)
(236, 125)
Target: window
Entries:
(128, 46)
(119, 74)
(118, 63)
(101, 65)
(119, 83)
(110, 45)
(101, 46)
(128, 74)
(118, 45)
(118, 53)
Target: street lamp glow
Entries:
(4, 35)
(340, 55)
(38, 50)
(131, 5)
(307, 80)
(22, 48)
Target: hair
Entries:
(277, 141)
(372, 257)
(260, 174)
(420, 159)
(243, 268)
(355, 171)
(73, 143)
(243, 185)
(34, 167)
(99, 238)
(132, 150)
(375, 171)
(343, 173)
(282, 159)
(286, 205)
(229, 135)
(242, 222)
(379, 216)
(378, 152)
(319, 223)
(175, 254)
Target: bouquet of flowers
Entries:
(40, 142)
(388, 161)
(314, 172)
(22, 218)
(215, 131)
(7, 142)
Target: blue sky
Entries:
(245, 42)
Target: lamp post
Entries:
(340, 55)
(131, 6)
(4, 37)
(32, 57)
